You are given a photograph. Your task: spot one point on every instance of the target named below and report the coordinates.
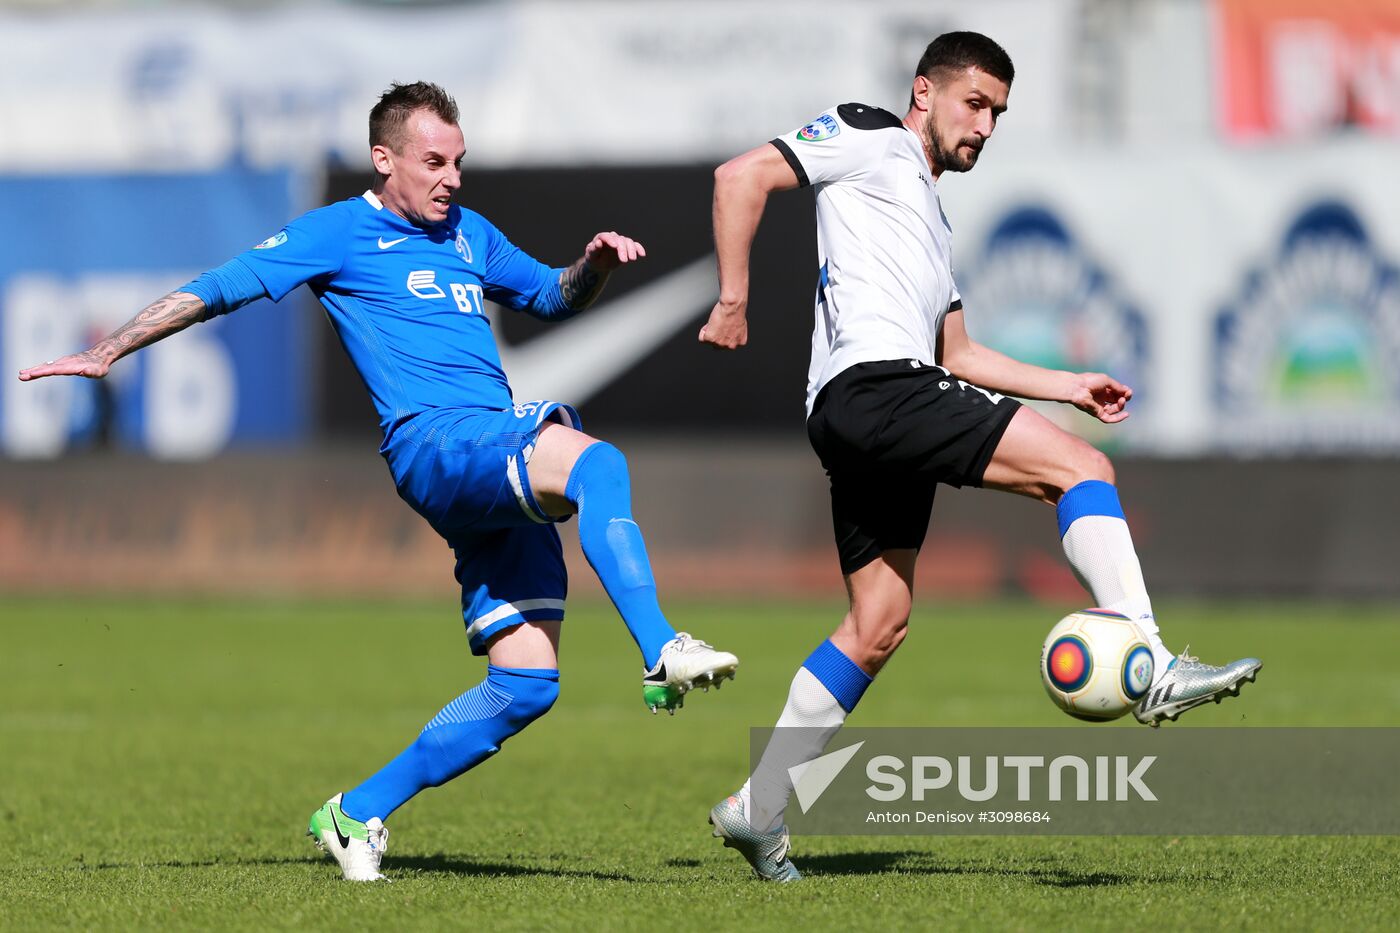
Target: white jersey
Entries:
(884, 248)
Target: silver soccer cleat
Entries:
(1187, 683)
(766, 852)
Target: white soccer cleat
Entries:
(358, 847)
(685, 663)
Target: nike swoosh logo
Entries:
(573, 361)
(344, 839)
(384, 245)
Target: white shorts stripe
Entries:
(514, 468)
(509, 609)
(554, 411)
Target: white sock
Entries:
(810, 718)
(1100, 549)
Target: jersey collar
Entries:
(447, 227)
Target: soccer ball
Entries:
(1095, 664)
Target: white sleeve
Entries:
(830, 149)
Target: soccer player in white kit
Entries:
(899, 399)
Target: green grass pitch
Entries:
(159, 758)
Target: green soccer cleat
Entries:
(767, 853)
(358, 847)
(685, 663)
(1187, 683)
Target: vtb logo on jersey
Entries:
(1305, 354)
(422, 283)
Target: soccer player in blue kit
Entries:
(404, 275)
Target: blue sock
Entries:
(826, 688)
(841, 676)
(465, 733)
(602, 490)
(1091, 497)
(1094, 533)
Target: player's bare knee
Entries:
(890, 639)
(1084, 463)
(879, 646)
(880, 627)
(886, 609)
(1090, 463)
(1046, 491)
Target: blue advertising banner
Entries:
(80, 255)
(1041, 296)
(1306, 350)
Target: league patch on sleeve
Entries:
(823, 127)
(273, 241)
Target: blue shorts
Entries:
(464, 471)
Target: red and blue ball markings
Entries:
(1068, 663)
(1137, 672)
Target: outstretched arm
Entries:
(218, 291)
(742, 186)
(582, 283)
(578, 286)
(169, 315)
(1095, 393)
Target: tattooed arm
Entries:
(581, 283)
(169, 315)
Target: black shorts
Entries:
(887, 433)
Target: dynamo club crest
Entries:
(1305, 355)
(1037, 296)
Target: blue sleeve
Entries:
(517, 280)
(549, 304)
(310, 247)
(227, 288)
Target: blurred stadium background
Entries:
(214, 610)
(1199, 196)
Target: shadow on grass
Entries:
(905, 862)
(444, 864)
(925, 863)
(457, 865)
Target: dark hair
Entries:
(955, 52)
(396, 105)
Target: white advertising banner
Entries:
(539, 82)
(1250, 296)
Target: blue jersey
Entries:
(409, 305)
(408, 302)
